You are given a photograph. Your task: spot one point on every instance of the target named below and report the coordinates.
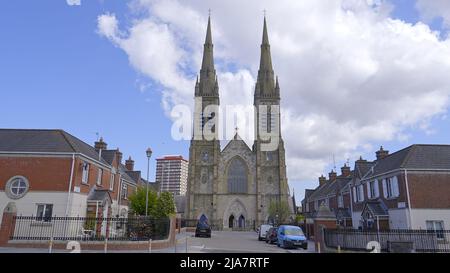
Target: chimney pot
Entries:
(382, 153)
(332, 176)
(345, 170)
(322, 180)
(100, 145)
(129, 164)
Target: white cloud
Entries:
(430, 9)
(350, 75)
(73, 2)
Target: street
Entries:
(220, 242)
(232, 241)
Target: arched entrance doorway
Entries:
(241, 221)
(231, 221)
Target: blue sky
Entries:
(57, 71)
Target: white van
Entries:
(262, 232)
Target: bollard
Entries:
(318, 247)
(186, 244)
(106, 245)
(50, 247)
(150, 246)
(176, 242)
(339, 249)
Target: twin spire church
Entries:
(234, 187)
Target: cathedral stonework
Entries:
(234, 187)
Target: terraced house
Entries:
(408, 189)
(51, 172)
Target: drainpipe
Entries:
(70, 184)
(409, 199)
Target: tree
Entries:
(279, 211)
(137, 201)
(165, 205)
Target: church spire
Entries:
(266, 59)
(266, 82)
(208, 73)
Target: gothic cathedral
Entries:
(234, 187)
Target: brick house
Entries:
(409, 189)
(334, 193)
(51, 172)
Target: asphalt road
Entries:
(220, 242)
(232, 241)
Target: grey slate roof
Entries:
(342, 213)
(124, 174)
(419, 156)
(376, 207)
(329, 188)
(45, 141)
(108, 155)
(99, 195)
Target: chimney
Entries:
(129, 164)
(322, 180)
(100, 145)
(360, 160)
(345, 171)
(382, 153)
(332, 176)
(119, 156)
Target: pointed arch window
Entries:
(237, 176)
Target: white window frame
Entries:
(360, 193)
(43, 217)
(340, 201)
(111, 182)
(100, 177)
(391, 188)
(85, 174)
(439, 234)
(125, 191)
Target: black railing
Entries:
(420, 240)
(89, 229)
(247, 225)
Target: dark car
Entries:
(271, 235)
(203, 230)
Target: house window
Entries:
(125, 191)
(437, 227)
(360, 193)
(99, 177)
(372, 189)
(390, 187)
(341, 201)
(17, 187)
(85, 175)
(44, 212)
(111, 183)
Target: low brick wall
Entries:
(100, 245)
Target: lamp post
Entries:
(149, 154)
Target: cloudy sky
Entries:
(354, 74)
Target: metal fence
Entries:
(421, 240)
(89, 229)
(248, 225)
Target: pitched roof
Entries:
(108, 155)
(45, 141)
(377, 208)
(124, 174)
(418, 156)
(329, 188)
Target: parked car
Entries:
(291, 237)
(262, 232)
(271, 236)
(203, 229)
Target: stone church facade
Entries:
(234, 187)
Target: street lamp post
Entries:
(149, 154)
